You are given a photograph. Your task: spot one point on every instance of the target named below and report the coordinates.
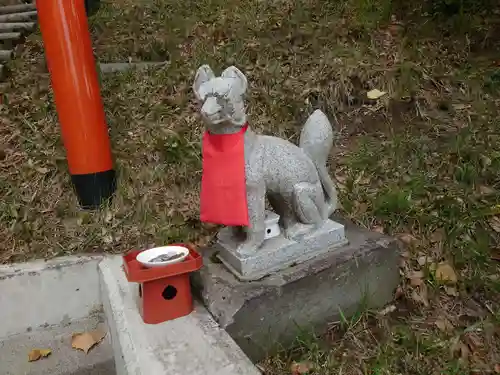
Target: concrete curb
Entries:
(42, 303)
(192, 345)
(43, 293)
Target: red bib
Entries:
(223, 197)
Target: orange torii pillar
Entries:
(68, 50)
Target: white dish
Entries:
(146, 256)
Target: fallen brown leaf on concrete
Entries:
(36, 354)
(87, 340)
(446, 273)
(301, 368)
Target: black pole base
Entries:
(92, 6)
(94, 189)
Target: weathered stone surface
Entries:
(263, 314)
(278, 252)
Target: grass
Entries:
(422, 163)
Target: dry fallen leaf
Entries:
(407, 238)
(387, 310)
(473, 340)
(486, 190)
(416, 278)
(438, 235)
(300, 368)
(460, 107)
(420, 295)
(399, 293)
(446, 273)
(444, 325)
(42, 170)
(460, 349)
(416, 275)
(495, 254)
(423, 260)
(261, 368)
(375, 94)
(87, 340)
(495, 223)
(361, 207)
(497, 368)
(451, 291)
(36, 354)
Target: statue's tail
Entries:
(316, 139)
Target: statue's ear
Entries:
(241, 81)
(203, 74)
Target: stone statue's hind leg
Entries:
(283, 206)
(307, 198)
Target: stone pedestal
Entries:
(271, 312)
(278, 252)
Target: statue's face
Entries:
(217, 100)
(221, 98)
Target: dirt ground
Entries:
(421, 163)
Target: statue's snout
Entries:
(210, 109)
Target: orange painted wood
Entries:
(70, 60)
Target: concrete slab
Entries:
(48, 292)
(266, 314)
(64, 360)
(192, 345)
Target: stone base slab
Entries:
(278, 252)
(264, 315)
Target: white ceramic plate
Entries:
(146, 256)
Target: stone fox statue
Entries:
(294, 179)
